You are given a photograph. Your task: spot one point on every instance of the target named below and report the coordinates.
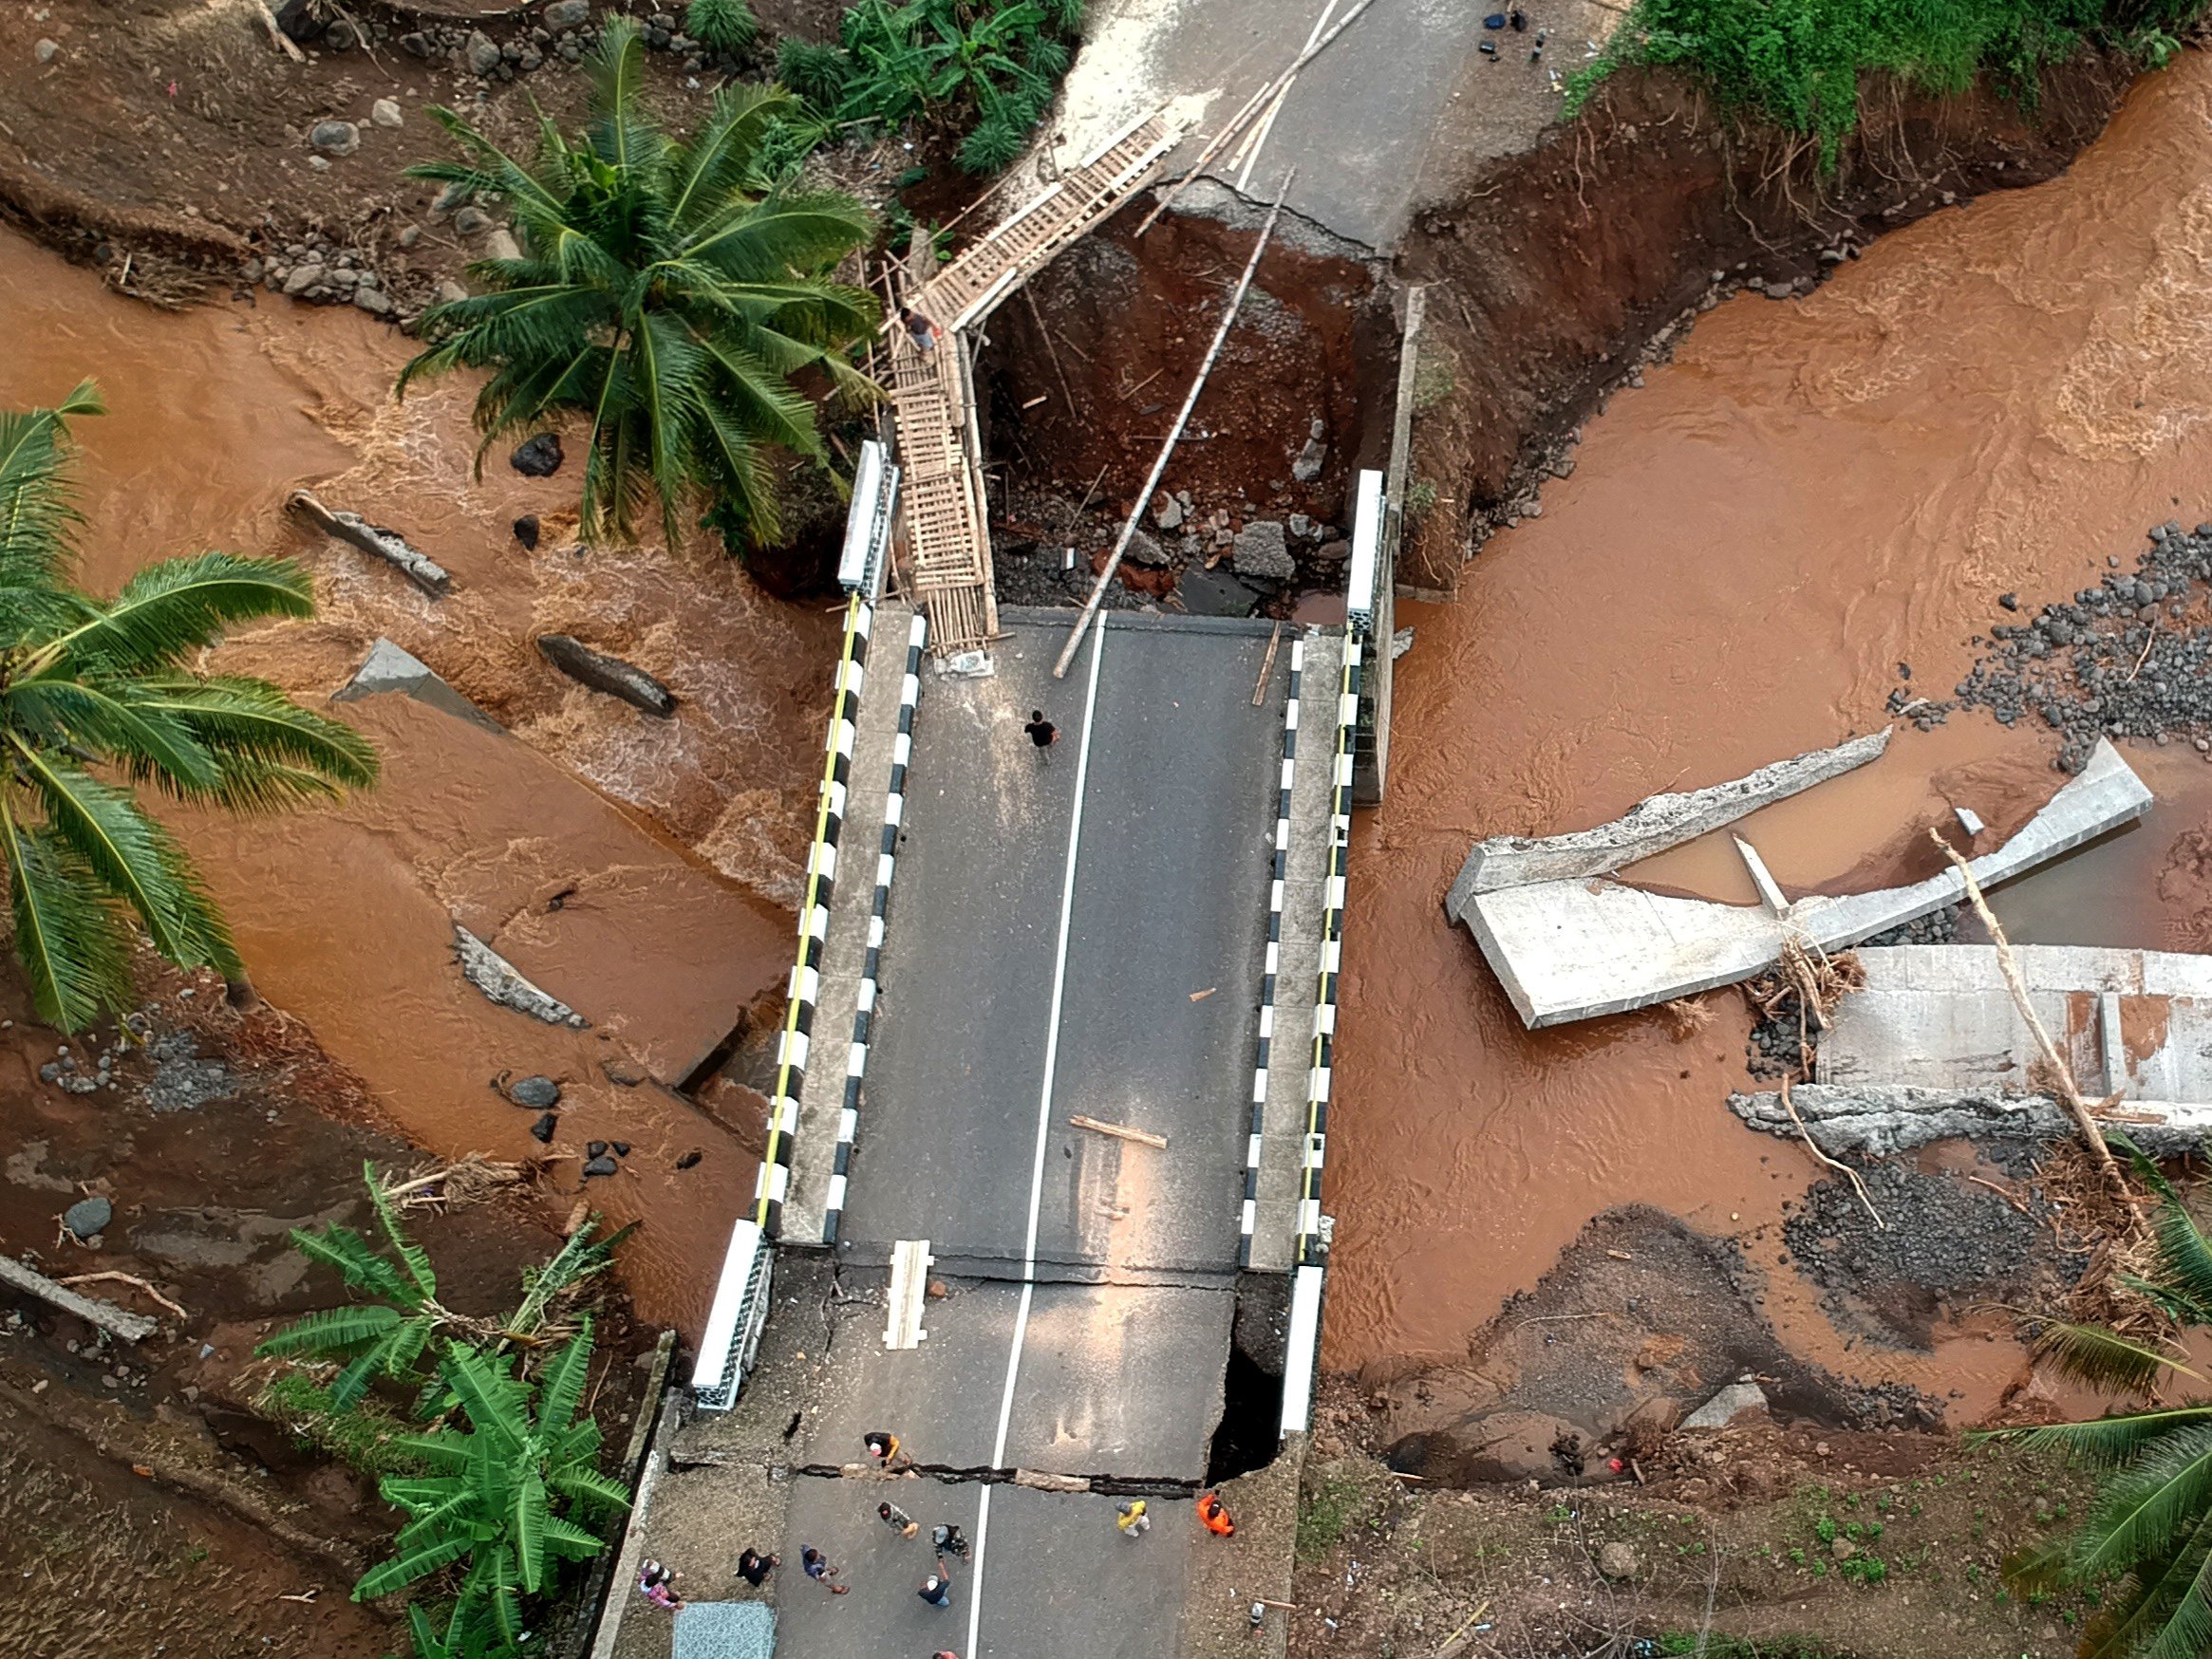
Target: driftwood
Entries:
(611, 675)
(374, 540)
(1121, 1131)
(110, 1318)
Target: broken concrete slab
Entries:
(1574, 949)
(1652, 826)
(1878, 1119)
(2134, 1023)
(491, 973)
(388, 668)
(375, 541)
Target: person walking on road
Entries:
(937, 1589)
(1214, 1517)
(883, 1446)
(950, 1539)
(754, 1568)
(818, 1568)
(1131, 1521)
(897, 1519)
(1041, 731)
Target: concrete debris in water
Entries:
(1652, 824)
(1574, 949)
(491, 973)
(388, 545)
(388, 667)
(1878, 1119)
(2123, 660)
(611, 675)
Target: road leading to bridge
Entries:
(1076, 931)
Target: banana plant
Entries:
(507, 1499)
(386, 1336)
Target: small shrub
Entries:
(1325, 1511)
(1433, 381)
(727, 26)
(816, 72)
(1420, 496)
(1824, 1529)
(1866, 1570)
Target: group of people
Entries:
(1132, 1520)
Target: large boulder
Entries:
(566, 14)
(538, 457)
(335, 138)
(481, 53)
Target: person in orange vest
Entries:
(1214, 1517)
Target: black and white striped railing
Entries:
(1312, 1247)
(814, 924)
(1274, 966)
(895, 810)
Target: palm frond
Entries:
(2103, 1359)
(176, 606)
(2103, 1443)
(402, 1570)
(67, 936)
(36, 512)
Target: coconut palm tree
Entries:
(95, 698)
(2151, 1526)
(667, 293)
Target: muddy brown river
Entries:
(656, 881)
(1994, 400)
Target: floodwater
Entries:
(636, 868)
(1994, 400)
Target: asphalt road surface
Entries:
(1073, 930)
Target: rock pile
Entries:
(323, 273)
(564, 32)
(2129, 658)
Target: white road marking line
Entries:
(1059, 980)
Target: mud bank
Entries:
(1562, 265)
(1756, 543)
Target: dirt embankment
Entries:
(1559, 268)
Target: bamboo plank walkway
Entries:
(942, 500)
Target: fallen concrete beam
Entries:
(1877, 1120)
(379, 543)
(1568, 950)
(1651, 826)
(611, 675)
(495, 977)
(113, 1320)
(391, 668)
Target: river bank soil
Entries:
(153, 1500)
(1995, 401)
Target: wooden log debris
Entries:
(1121, 1131)
(611, 675)
(110, 1318)
(374, 540)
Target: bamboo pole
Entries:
(1266, 94)
(1228, 319)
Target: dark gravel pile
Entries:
(2129, 658)
(1947, 1237)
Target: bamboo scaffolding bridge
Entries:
(942, 508)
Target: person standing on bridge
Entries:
(950, 1539)
(937, 1589)
(897, 1519)
(1041, 731)
(818, 1568)
(883, 1446)
(920, 329)
(1131, 1521)
(754, 1568)
(1214, 1517)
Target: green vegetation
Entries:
(984, 67)
(361, 1436)
(2150, 1528)
(506, 1500)
(386, 1337)
(667, 293)
(94, 699)
(728, 25)
(1323, 1512)
(1798, 63)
